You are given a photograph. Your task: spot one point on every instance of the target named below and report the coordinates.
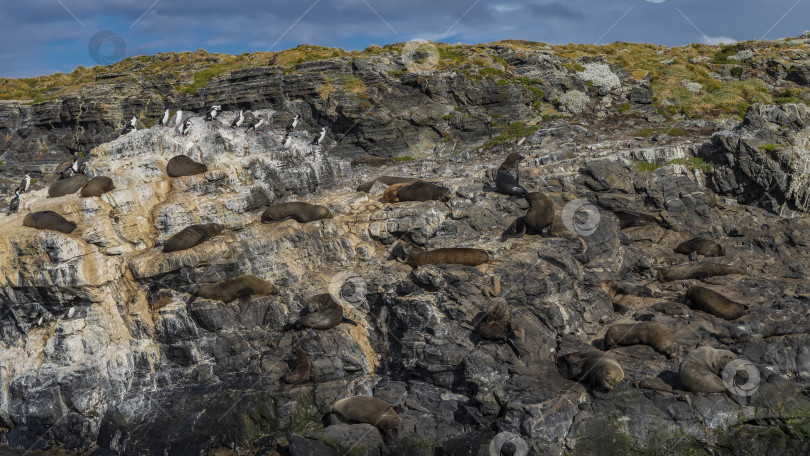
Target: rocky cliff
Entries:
(106, 350)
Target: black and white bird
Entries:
(76, 167)
(178, 118)
(319, 138)
(25, 183)
(165, 120)
(14, 205)
(212, 115)
(237, 122)
(67, 172)
(255, 124)
(185, 128)
(291, 126)
(129, 128)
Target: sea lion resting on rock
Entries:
(181, 165)
(97, 186)
(649, 333)
(700, 371)
(698, 271)
(48, 220)
(387, 180)
(390, 194)
(539, 219)
(466, 256)
(67, 186)
(369, 410)
(301, 372)
(497, 325)
(299, 211)
(328, 315)
(237, 287)
(192, 236)
(702, 246)
(614, 288)
(507, 183)
(594, 368)
(712, 302)
(423, 191)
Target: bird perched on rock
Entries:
(131, 126)
(293, 124)
(25, 183)
(165, 120)
(237, 122)
(14, 205)
(183, 130)
(212, 115)
(67, 172)
(319, 138)
(76, 167)
(255, 124)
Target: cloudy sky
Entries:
(45, 36)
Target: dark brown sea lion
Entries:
(702, 246)
(237, 287)
(370, 160)
(298, 211)
(466, 256)
(497, 325)
(67, 186)
(649, 333)
(97, 186)
(48, 220)
(387, 180)
(423, 191)
(712, 302)
(181, 165)
(701, 369)
(538, 219)
(597, 369)
(301, 372)
(614, 288)
(507, 179)
(328, 315)
(390, 194)
(628, 218)
(698, 271)
(369, 410)
(192, 236)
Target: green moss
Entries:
(769, 147)
(625, 107)
(538, 92)
(512, 131)
(721, 56)
(694, 163)
(674, 131)
(646, 167)
(736, 72)
(646, 132)
(396, 73)
(403, 158)
(489, 71)
(203, 77)
(306, 417)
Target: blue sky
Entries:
(46, 36)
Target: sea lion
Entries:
(390, 194)
(299, 211)
(192, 236)
(614, 288)
(497, 325)
(505, 181)
(702, 246)
(237, 287)
(628, 218)
(701, 369)
(387, 180)
(649, 333)
(369, 410)
(49, 220)
(181, 165)
(538, 219)
(97, 186)
(423, 191)
(466, 256)
(328, 315)
(300, 373)
(710, 301)
(594, 368)
(370, 160)
(698, 271)
(67, 186)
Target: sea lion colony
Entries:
(594, 368)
